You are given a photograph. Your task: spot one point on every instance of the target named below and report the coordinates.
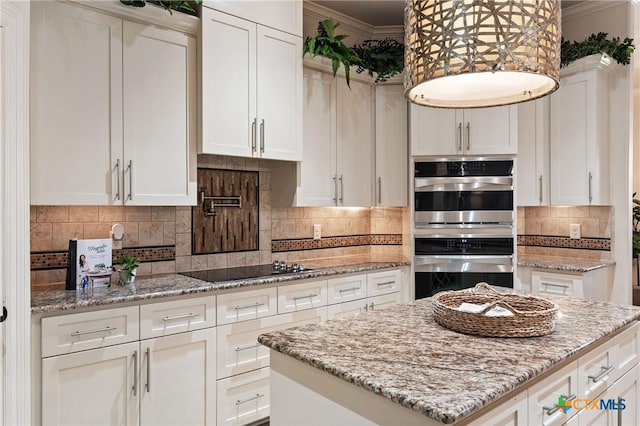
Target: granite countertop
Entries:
(399, 352)
(563, 263)
(155, 287)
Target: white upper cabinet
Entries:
(251, 89)
(106, 126)
(76, 105)
(391, 179)
(533, 153)
(579, 144)
(477, 131)
(283, 15)
(337, 163)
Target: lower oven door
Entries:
(439, 273)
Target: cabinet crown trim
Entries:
(599, 61)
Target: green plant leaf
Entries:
(621, 51)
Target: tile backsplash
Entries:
(164, 234)
(545, 231)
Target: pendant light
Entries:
(472, 53)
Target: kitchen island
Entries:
(397, 366)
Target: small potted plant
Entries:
(127, 270)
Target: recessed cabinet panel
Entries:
(434, 131)
(76, 62)
(159, 110)
(284, 15)
(228, 86)
(533, 153)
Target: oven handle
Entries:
(455, 230)
(471, 186)
(463, 263)
(495, 180)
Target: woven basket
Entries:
(532, 316)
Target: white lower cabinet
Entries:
(93, 387)
(361, 293)
(509, 413)
(177, 383)
(544, 395)
(243, 398)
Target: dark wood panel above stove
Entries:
(226, 217)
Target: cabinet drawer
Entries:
(597, 370)
(375, 303)
(543, 397)
(246, 305)
(89, 330)
(238, 347)
(383, 282)
(164, 318)
(297, 297)
(243, 398)
(564, 284)
(345, 289)
(347, 309)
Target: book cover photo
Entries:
(89, 264)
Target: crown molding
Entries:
(589, 7)
(598, 61)
(316, 11)
(150, 14)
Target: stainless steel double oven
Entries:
(464, 215)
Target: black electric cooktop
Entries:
(239, 273)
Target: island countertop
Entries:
(402, 354)
(156, 287)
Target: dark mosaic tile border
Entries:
(297, 244)
(565, 242)
(43, 261)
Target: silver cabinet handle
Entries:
(341, 199)
(134, 358)
(371, 306)
(130, 169)
(379, 190)
(308, 296)
(460, 136)
(97, 330)
(344, 290)
(253, 134)
(468, 136)
(244, 348)
(189, 315)
(253, 398)
(551, 410)
(540, 181)
(262, 136)
(604, 372)
(366, 307)
(590, 192)
(564, 287)
(335, 190)
(147, 386)
(386, 283)
(118, 179)
(255, 305)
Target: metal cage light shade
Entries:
(471, 53)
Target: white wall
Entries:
(618, 20)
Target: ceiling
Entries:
(382, 12)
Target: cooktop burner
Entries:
(239, 273)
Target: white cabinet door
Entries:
(178, 379)
(94, 387)
(579, 144)
(510, 413)
(391, 146)
(159, 68)
(76, 105)
(626, 391)
(554, 283)
(533, 153)
(354, 143)
(434, 131)
(377, 302)
(284, 15)
(544, 395)
(490, 130)
(229, 121)
(244, 398)
(317, 186)
(279, 91)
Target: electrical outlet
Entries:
(317, 231)
(574, 231)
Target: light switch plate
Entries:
(574, 231)
(317, 231)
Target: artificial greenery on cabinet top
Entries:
(621, 51)
(185, 6)
(384, 57)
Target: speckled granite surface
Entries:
(562, 263)
(176, 285)
(399, 352)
